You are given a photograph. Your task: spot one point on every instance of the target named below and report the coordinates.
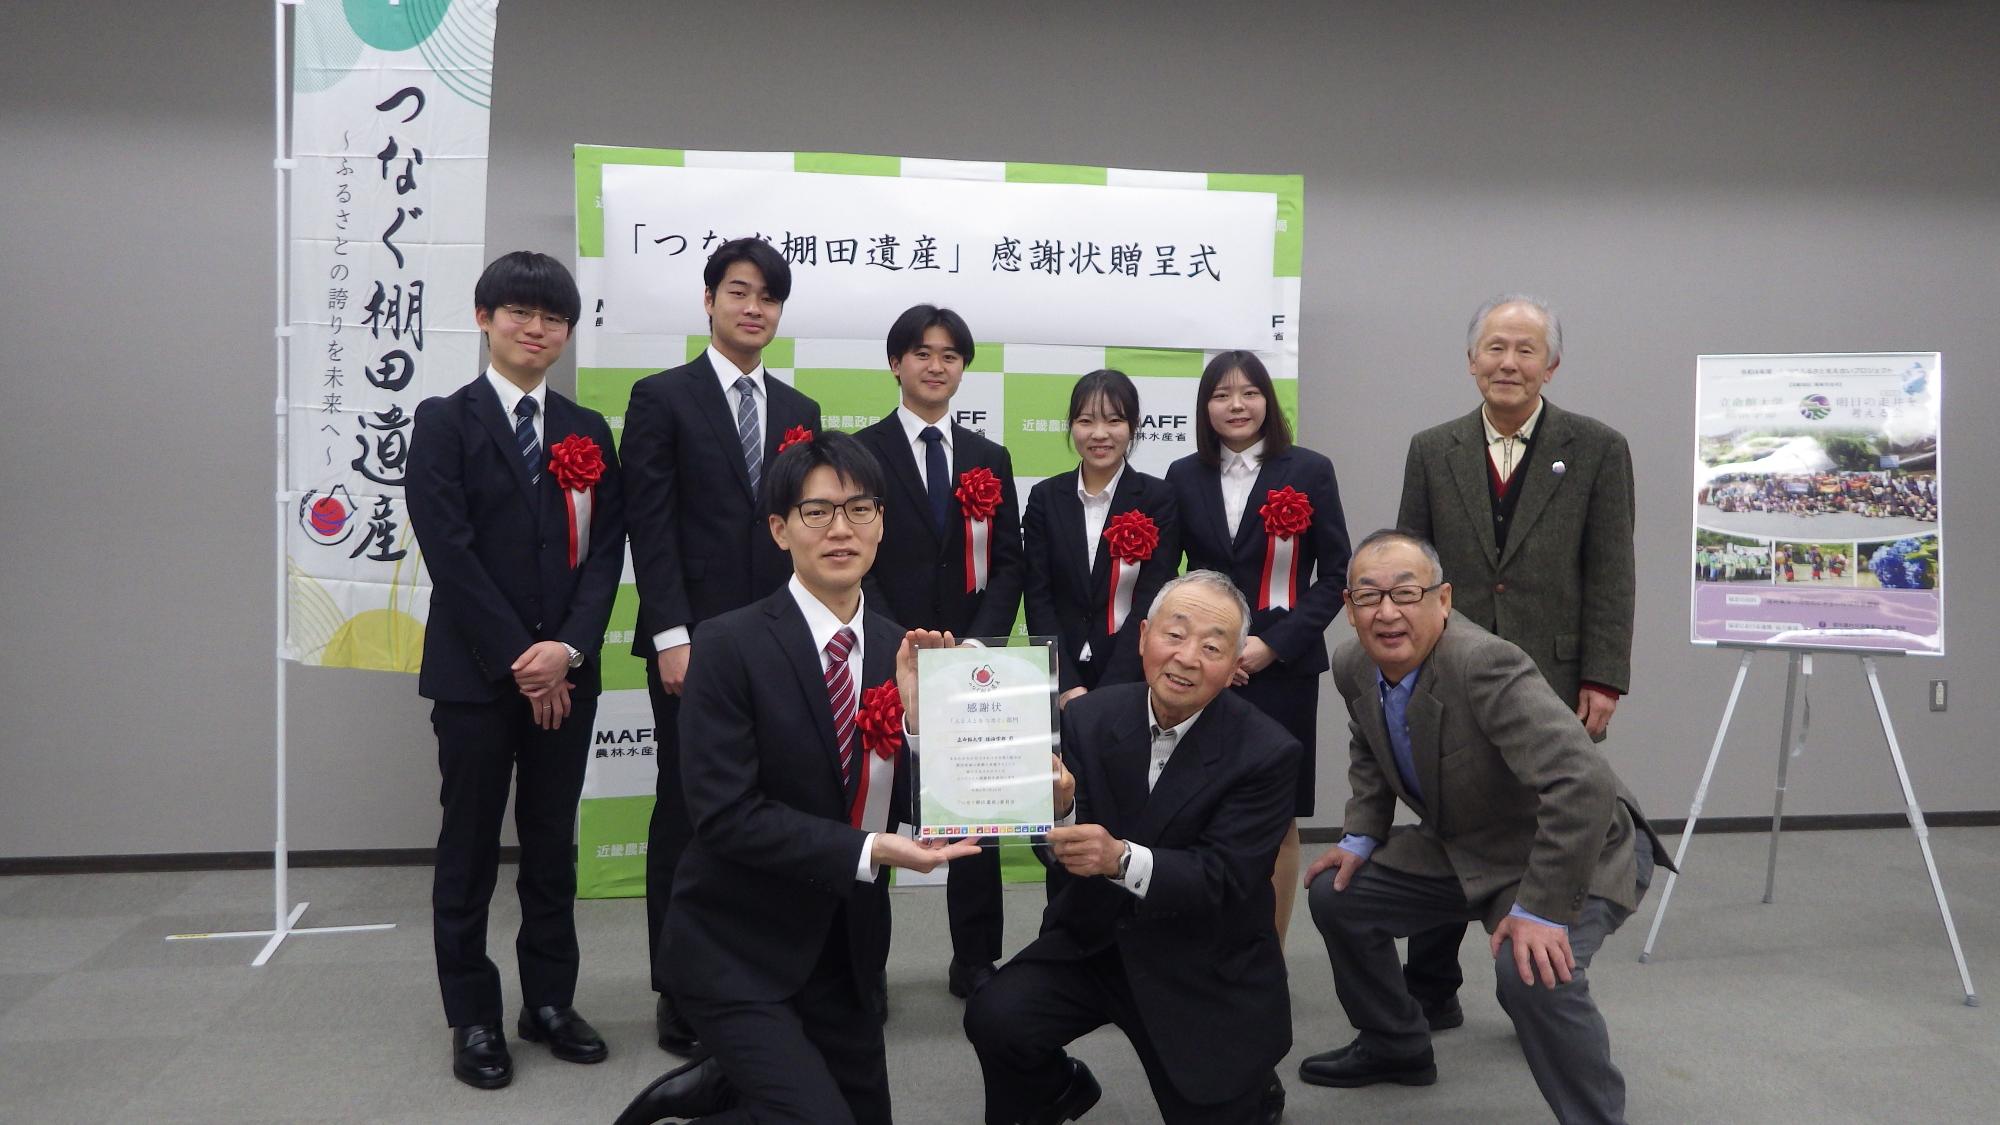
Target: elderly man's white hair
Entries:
(1554, 334)
(1214, 580)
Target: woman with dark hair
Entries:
(1101, 540)
(1267, 513)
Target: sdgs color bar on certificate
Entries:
(1818, 517)
(985, 763)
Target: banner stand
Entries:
(1799, 664)
(284, 917)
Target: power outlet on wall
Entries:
(1937, 695)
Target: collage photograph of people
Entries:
(788, 574)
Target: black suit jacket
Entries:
(1200, 950)
(1069, 597)
(773, 858)
(1297, 635)
(497, 547)
(700, 543)
(921, 576)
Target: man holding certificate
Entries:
(1160, 911)
(779, 924)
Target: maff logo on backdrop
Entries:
(327, 517)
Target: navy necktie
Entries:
(524, 436)
(937, 477)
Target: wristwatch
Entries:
(1125, 860)
(575, 657)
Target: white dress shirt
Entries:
(726, 373)
(1139, 870)
(1239, 476)
(510, 400)
(1505, 450)
(1096, 513)
(913, 428)
(822, 623)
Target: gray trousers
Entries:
(1561, 1032)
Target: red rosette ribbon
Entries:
(1287, 514)
(880, 723)
(795, 436)
(979, 496)
(577, 463)
(1131, 537)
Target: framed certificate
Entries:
(986, 720)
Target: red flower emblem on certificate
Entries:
(881, 719)
(794, 436)
(577, 463)
(978, 493)
(1287, 512)
(1132, 536)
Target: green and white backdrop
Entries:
(1060, 270)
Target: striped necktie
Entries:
(840, 696)
(746, 431)
(524, 436)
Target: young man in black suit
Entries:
(514, 497)
(1161, 914)
(951, 561)
(697, 442)
(779, 928)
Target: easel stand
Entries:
(1800, 664)
(284, 915)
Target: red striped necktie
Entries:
(840, 696)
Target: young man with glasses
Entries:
(951, 560)
(1523, 825)
(514, 496)
(697, 441)
(779, 926)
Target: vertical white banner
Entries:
(390, 101)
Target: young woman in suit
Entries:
(1267, 513)
(1101, 540)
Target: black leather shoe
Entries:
(1075, 1100)
(676, 1037)
(1272, 1109)
(479, 1056)
(694, 1089)
(968, 977)
(1356, 1065)
(1445, 1014)
(569, 1036)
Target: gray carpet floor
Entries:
(1838, 1003)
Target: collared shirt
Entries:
(726, 374)
(1139, 871)
(511, 396)
(1505, 450)
(822, 623)
(913, 428)
(1396, 717)
(1096, 513)
(1239, 476)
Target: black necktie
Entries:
(937, 477)
(524, 436)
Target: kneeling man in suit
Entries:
(1160, 917)
(778, 929)
(1524, 826)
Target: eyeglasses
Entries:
(521, 316)
(859, 509)
(1367, 597)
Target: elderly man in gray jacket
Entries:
(1524, 826)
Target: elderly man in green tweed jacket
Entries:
(1530, 507)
